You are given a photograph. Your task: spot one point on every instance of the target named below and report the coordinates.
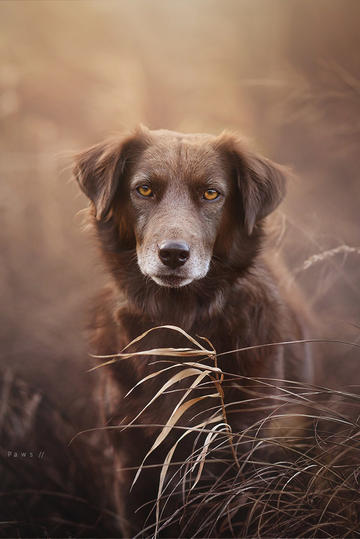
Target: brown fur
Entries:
(236, 303)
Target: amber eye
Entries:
(144, 191)
(211, 194)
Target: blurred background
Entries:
(286, 74)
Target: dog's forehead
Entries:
(190, 156)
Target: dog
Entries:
(180, 220)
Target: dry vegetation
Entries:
(285, 74)
(267, 480)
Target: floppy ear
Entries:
(260, 181)
(99, 170)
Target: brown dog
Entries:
(180, 222)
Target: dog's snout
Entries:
(174, 253)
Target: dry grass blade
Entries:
(186, 373)
(324, 255)
(200, 351)
(196, 382)
(201, 366)
(175, 352)
(168, 458)
(172, 328)
(149, 376)
(187, 363)
(200, 461)
(174, 418)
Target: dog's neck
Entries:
(198, 301)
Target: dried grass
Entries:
(267, 480)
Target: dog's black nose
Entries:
(174, 253)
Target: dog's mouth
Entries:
(171, 280)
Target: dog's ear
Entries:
(260, 181)
(100, 169)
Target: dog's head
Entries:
(181, 200)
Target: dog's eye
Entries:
(145, 191)
(211, 194)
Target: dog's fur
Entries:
(226, 291)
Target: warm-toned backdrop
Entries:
(285, 73)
